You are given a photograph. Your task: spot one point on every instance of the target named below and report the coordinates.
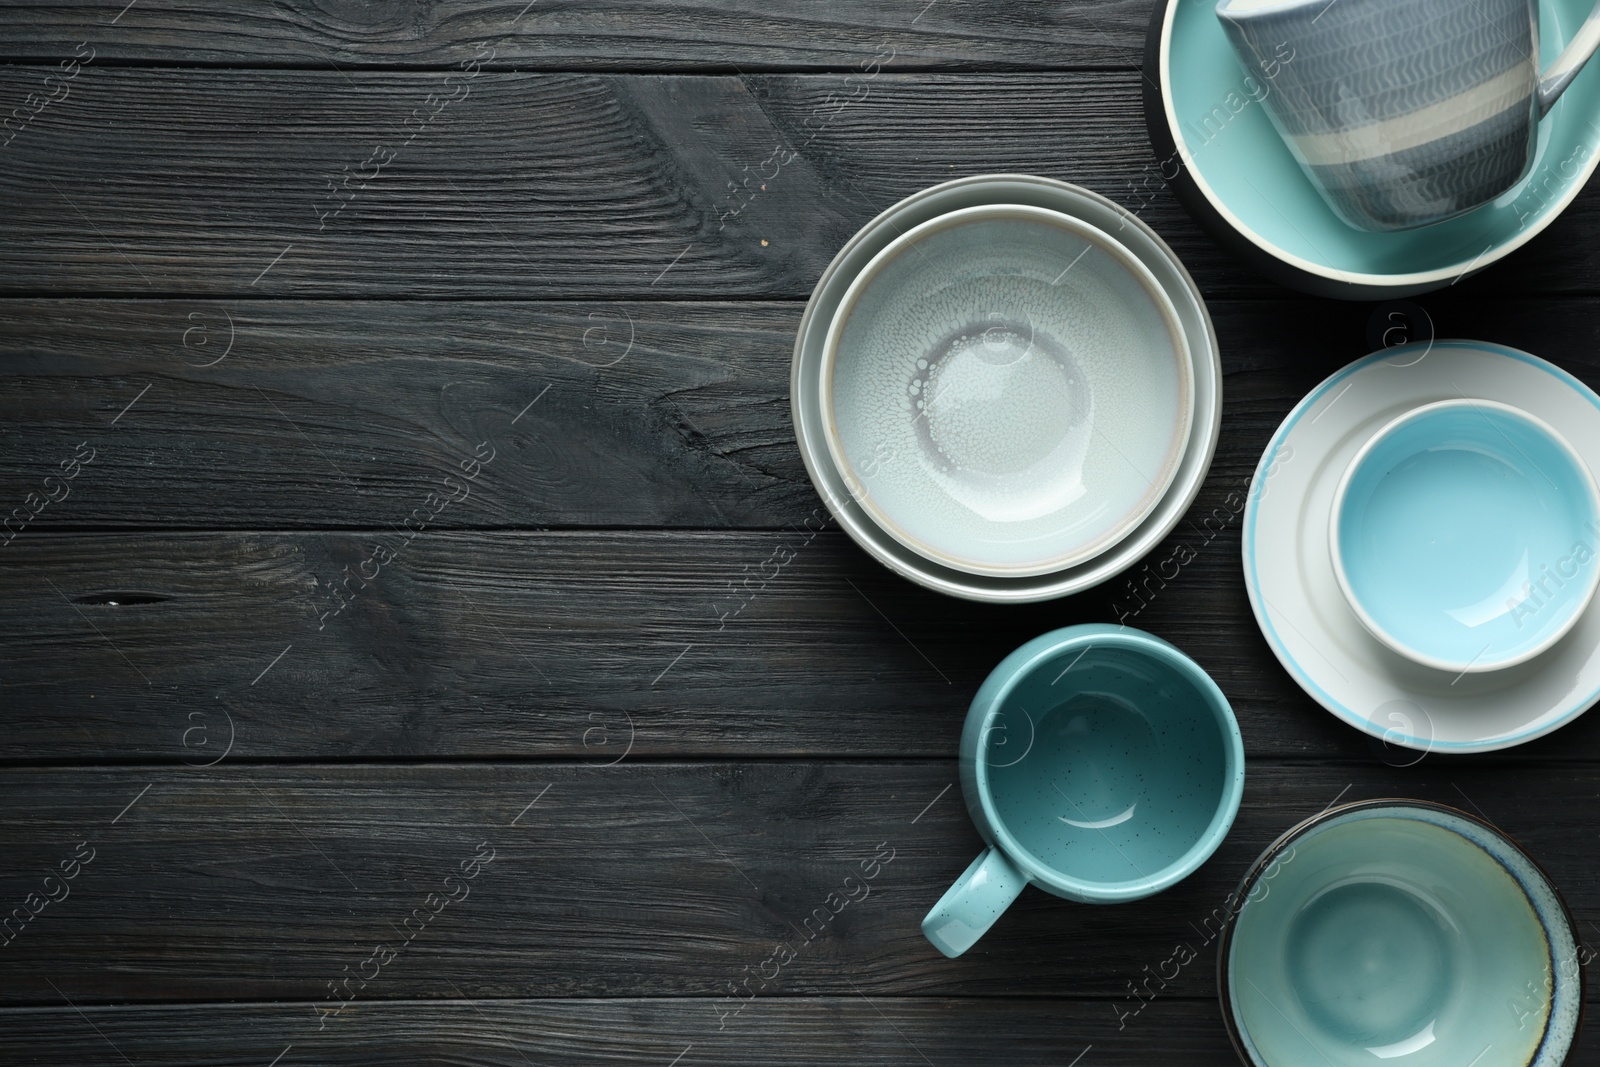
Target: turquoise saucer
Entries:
(1227, 164)
(1399, 932)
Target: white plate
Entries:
(805, 387)
(1296, 598)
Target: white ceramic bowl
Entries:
(805, 390)
(1010, 387)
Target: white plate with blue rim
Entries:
(1295, 594)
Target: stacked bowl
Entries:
(1006, 388)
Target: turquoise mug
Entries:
(1100, 764)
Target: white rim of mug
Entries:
(1456, 271)
(1222, 815)
(1095, 236)
(1336, 547)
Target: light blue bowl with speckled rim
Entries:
(1100, 764)
(1009, 388)
(1399, 932)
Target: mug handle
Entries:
(1554, 81)
(967, 910)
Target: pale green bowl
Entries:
(1399, 932)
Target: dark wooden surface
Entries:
(582, 666)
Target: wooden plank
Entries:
(316, 414)
(569, 35)
(485, 645)
(523, 186)
(847, 1031)
(377, 184)
(311, 413)
(640, 879)
(563, 645)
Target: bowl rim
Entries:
(1357, 285)
(1270, 854)
(1035, 654)
(1096, 237)
(1336, 552)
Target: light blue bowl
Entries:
(1100, 764)
(1399, 932)
(1463, 535)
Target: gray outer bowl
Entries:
(805, 383)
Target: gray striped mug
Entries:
(1405, 113)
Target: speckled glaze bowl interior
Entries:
(1399, 932)
(1009, 387)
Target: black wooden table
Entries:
(404, 661)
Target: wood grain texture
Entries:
(845, 1031)
(250, 183)
(334, 413)
(632, 880)
(574, 35)
(275, 414)
(566, 645)
(349, 413)
(500, 645)
(848, 1031)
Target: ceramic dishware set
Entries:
(1006, 388)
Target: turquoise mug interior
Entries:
(1463, 534)
(1399, 932)
(1101, 764)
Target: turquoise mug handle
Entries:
(967, 910)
